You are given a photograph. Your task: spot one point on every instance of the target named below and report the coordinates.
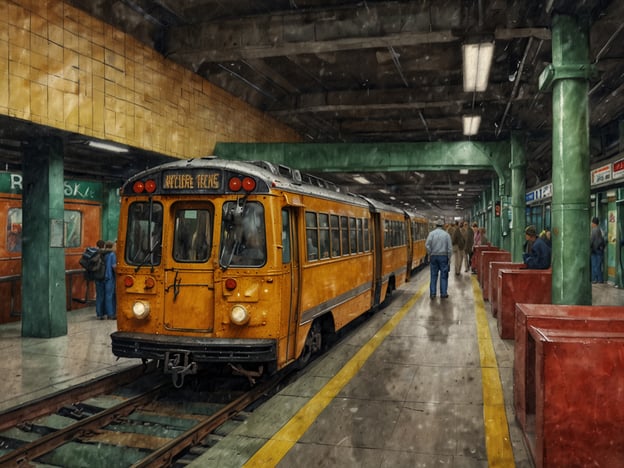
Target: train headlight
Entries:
(141, 309)
(239, 315)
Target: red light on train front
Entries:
(150, 186)
(235, 184)
(128, 281)
(249, 184)
(149, 282)
(230, 284)
(138, 186)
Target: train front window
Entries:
(192, 237)
(243, 235)
(144, 235)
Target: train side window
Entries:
(366, 236)
(352, 236)
(334, 222)
(285, 236)
(14, 230)
(324, 235)
(344, 233)
(144, 233)
(73, 228)
(192, 235)
(312, 236)
(360, 235)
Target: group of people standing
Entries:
(456, 240)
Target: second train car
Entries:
(250, 264)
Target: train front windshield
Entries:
(242, 243)
(144, 236)
(243, 238)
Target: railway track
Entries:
(135, 419)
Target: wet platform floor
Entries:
(404, 388)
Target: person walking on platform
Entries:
(597, 246)
(459, 244)
(469, 234)
(439, 248)
(109, 281)
(539, 256)
(100, 290)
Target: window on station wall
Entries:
(14, 230)
(73, 228)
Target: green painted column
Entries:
(494, 225)
(43, 255)
(518, 198)
(110, 212)
(570, 228)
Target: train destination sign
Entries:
(192, 180)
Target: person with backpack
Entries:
(110, 261)
(93, 273)
(597, 246)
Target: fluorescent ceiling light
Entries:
(383, 190)
(471, 124)
(361, 180)
(477, 62)
(108, 147)
(463, 171)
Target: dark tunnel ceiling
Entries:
(379, 71)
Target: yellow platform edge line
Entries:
(283, 440)
(497, 439)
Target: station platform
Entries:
(403, 389)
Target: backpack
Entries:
(93, 260)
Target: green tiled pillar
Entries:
(518, 199)
(44, 312)
(568, 75)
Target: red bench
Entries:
(495, 267)
(480, 264)
(520, 287)
(489, 257)
(569, 317)
(579, 415)
(476, 254)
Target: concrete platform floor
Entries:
(404, 388)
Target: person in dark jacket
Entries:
(597, 246)
(538, 258)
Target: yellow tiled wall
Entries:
(62, 68)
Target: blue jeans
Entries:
(100, 293)
(596, 267)
(438, 264)
(109, 298)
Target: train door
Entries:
(291, 276)
(378, 240)
(411, 235)
(189, 287)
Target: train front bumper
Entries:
(143, 346)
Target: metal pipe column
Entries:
(569, 75)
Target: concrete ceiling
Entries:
(388, 71)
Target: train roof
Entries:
(273, 175)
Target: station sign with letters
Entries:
(11, 182)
